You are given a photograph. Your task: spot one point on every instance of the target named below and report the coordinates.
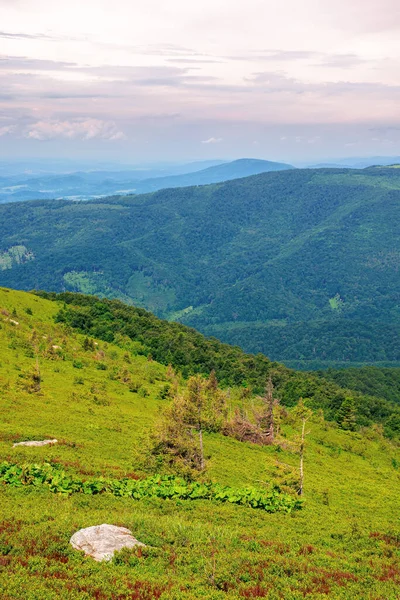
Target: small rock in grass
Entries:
(101, 541)
(35, 443)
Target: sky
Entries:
(142, 80)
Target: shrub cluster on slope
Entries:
(191, 353)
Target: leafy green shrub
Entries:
(165, 392)
(100, 366)
(164, 487)
(134, 387)
(101, 401)
(88, 344)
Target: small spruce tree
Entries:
(178, 440)
(88, 344)
(347, 415)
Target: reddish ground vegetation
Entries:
(134, 476)
(390, 539)
(75, 466)
(278, 547)
(390, 572)
(10, 526)
(256, 591)
(306, 550)
(144, 590)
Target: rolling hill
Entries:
(301, 265)
(101, 397)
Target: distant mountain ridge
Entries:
(83, 185)
(357, 162)
(243, 167)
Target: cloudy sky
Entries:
(149, 79)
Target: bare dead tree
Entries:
(196, 398)
(266, 420)
(304, 413)
(301, 485)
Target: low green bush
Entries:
(165, 487)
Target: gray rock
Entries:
(35, 443)
(101, 541)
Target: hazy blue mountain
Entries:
(85, 185)
(37, 167)
(356, 162)
(243, 167)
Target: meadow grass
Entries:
(344, 543)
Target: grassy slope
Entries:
(198, 549)
(298, 264)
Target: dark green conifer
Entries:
(347, 415)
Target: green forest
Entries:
(301, 265)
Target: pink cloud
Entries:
(81, 129)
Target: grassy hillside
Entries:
(300, 264)
(343, 543)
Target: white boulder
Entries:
(35, 443)
(101, 541)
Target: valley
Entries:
(301, 265)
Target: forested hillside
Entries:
(384, 383)
(191, 353)
(301, 265)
